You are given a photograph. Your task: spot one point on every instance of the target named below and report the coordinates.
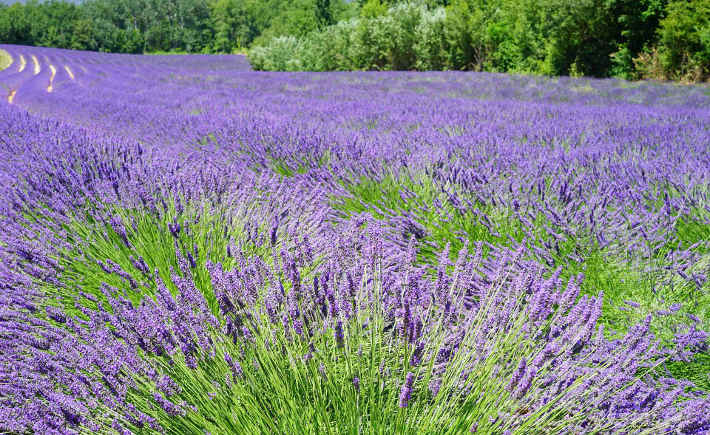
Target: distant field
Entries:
(189, 246)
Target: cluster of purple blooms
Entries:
(254, 167)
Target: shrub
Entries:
(282, 54)
(431, 46)
(390, 41)
(684, 40)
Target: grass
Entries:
(5, 59)
(288, 168)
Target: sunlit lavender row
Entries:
(188, 246)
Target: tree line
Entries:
(144, 26)
(632, 39)
(663, 39)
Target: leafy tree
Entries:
(83, 35)
(372, 9)
(684, 40)
(233, 25)
(324, 13)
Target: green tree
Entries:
(373, 9)
(233, 25)
(83, 35)
(684, 40)
(324, 14)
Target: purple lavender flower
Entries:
(234, 366)
(170, 408)
(339, 337)
(405, 392)
(517, 375)
(632, 303)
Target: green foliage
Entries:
(468, 34)
(49, 23)
(135, 26)
(684, 40)
(324, 13)
(430, 44)
(387, 41)
(233, 25)
(373, 9)
(299, 18)
(83, 36)
(556, 37)
(283, 54)
(682, 51)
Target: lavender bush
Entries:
(191, 247)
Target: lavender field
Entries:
(190, 247)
